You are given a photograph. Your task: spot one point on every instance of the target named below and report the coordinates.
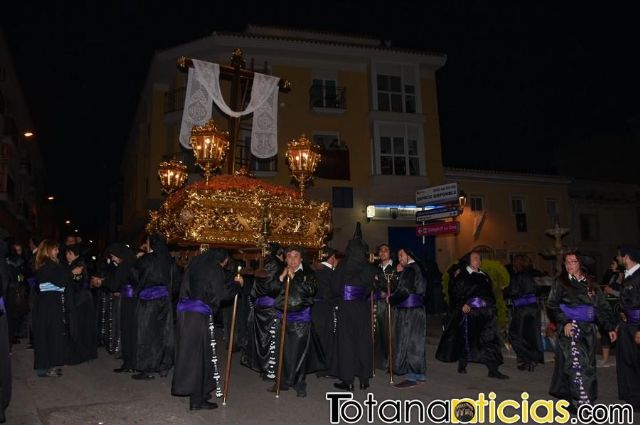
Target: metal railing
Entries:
(327, 97)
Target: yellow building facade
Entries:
(371, 108)
(507, 214)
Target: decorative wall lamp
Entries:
(462, 200)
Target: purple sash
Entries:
(354, 293)
(154, 293)
(633, 316)
(477, 302)
(525, 300)
(265, 301)
(126, 291)
(2, 307)
(380, 295)
(579, 313)
(412, 301)
(302, 316)
(32, 282)
(194, 306)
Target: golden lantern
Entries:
(209, 145)
(303, 158)
(173, 175)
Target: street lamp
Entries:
(173, 174)
(462, 200)
(209, 146)
(303, 157)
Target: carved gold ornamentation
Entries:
(238, 211)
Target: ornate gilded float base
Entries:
(238, 211)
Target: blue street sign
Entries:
(436, 213)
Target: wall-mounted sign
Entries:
(443, 228)
(392, 212)
(437, 213)
(437, 194)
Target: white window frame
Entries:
(404, 68)
(420, 140)
(523, 204)
(324, 75)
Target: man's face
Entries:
(403, 258)
(627, 261)
(70, 240)
(474, 261)
(384, 253)
(294, 259)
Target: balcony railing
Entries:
(328, 97)
(174, 100)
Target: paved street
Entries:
(92, 394)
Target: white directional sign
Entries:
(437, 194)
(437, 213)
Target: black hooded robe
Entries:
(351, 287)
(197, 369)
(5, 358)
(324, 312)
(574, 374)
(524, 329)
(260, 352)
(120, 281)
(81, 316)
(382, 313)
(472, 337)
(410, 322)
(302, 348)
(627, 351)
(155, 336)
(50, 327)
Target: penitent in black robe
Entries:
(353, 353)
(81, 316)
(154, 336)
(627, 351)
(524, 329)
(472, 337)
(574, 374)
(302, 352)
(50, 327)
(323, 312)
(409, 323)
(260, 352)
(5, 358)
(381, 310)
(197, 369)
(116, 282)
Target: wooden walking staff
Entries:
(227, 369)
(390, 332)
(373, 333)
(283, 329)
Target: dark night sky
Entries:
(519, 81)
